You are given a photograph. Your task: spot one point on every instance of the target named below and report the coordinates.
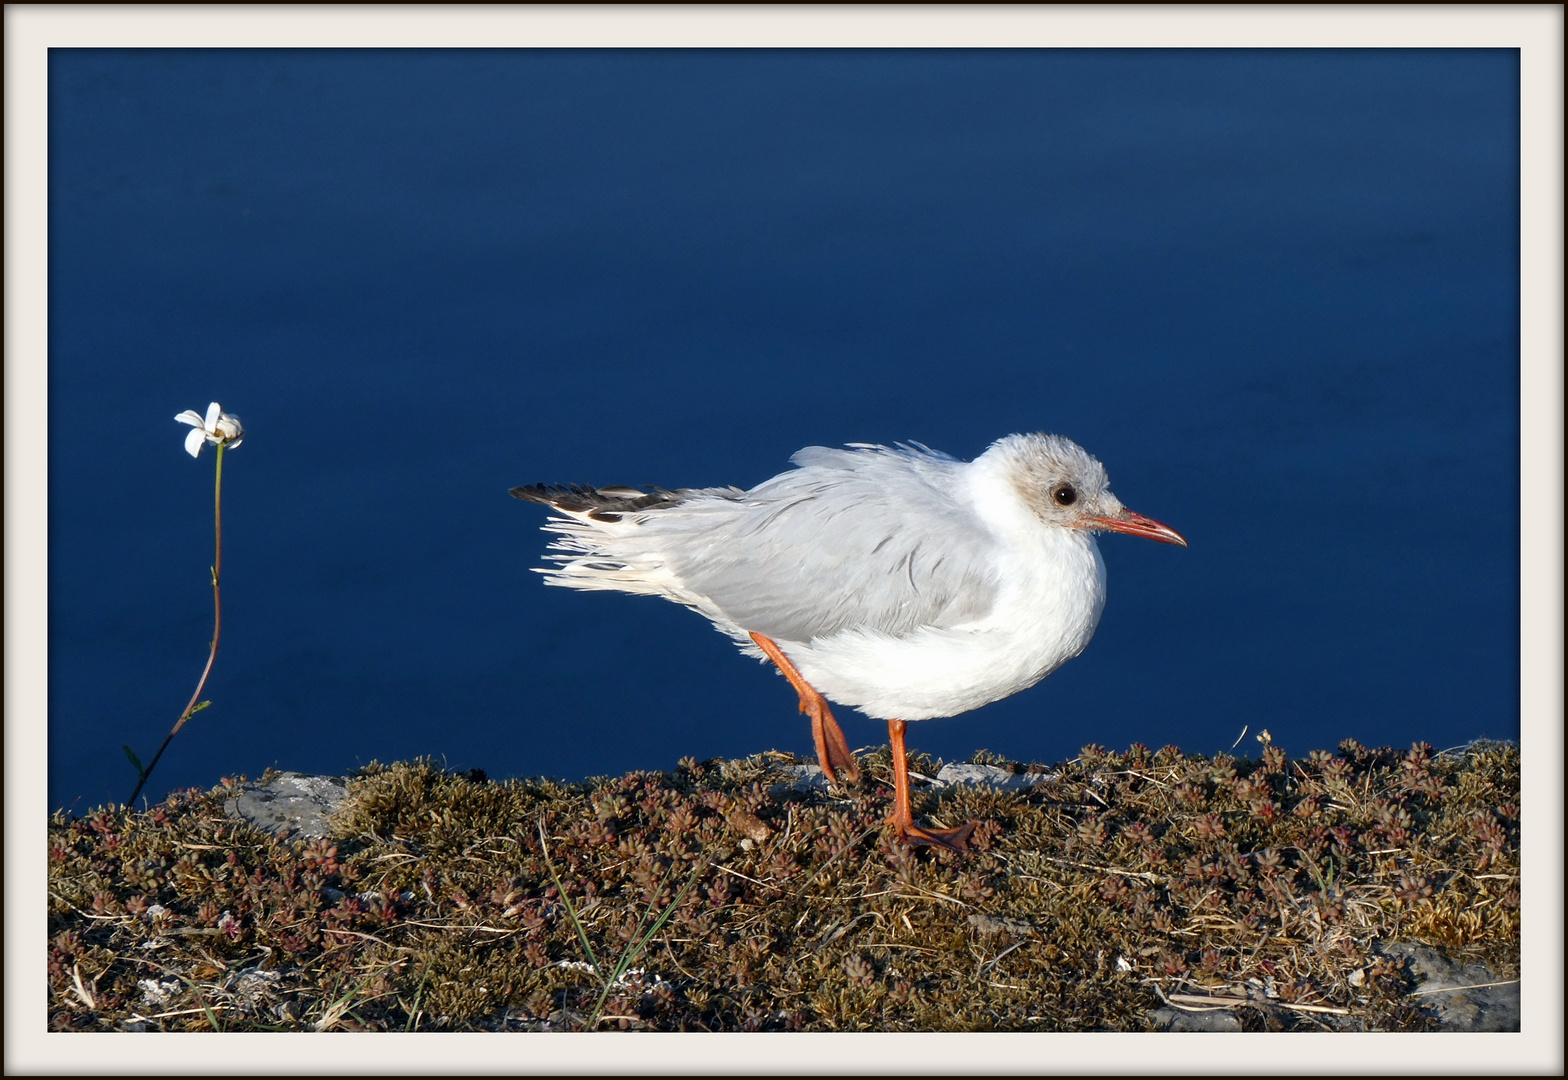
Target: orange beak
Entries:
(1136, 525)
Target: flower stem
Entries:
(217, 625)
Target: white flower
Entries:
(218, 428)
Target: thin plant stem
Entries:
(566, 902)
(640, 940)
(217, 625)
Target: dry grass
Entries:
(1120, 882)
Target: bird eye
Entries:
(1065, 495)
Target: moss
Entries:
(1115, 883)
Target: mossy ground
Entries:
(1119, 882)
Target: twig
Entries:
(905, 888)
(182, 1012)
(1144, 874)
(743, 877)
(83, 994)
(1206, 1003)
(997, 958)
(1470, 986)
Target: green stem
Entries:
(217, 626)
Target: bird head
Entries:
(1064, 485)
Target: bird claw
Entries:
(837, 760)
(954, 840)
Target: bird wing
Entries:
(872, 537)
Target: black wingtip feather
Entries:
(606, 504)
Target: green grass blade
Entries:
(571, 911)
(640, 939)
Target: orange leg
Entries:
(903, 818)
(832, 750)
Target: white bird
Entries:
(897, 580)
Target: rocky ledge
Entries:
(1363, 890)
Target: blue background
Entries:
(1275, 291)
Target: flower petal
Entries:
(190, 416)
(194, 439)
(213, 412)
(230, 428)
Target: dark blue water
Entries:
(1276, 292)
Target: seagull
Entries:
(896, 580)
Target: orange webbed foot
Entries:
(912, 835)
(902, 819)
(833, 753)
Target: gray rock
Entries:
(298, 803)
(1169, 1019)
(806, 778)
(1459, 996)
(965, 772)
(809, 778)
